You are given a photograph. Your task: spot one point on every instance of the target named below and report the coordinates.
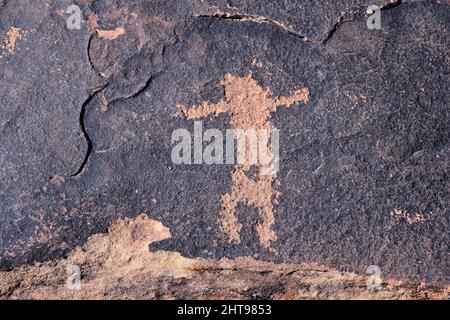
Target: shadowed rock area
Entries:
(363, 118)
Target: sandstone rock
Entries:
(88, 114)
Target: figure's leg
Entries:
(229, 223)
(264, 226)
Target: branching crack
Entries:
(83, 112)
(140, 90)
(342, 19)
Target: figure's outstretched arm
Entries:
(204, 109)
(301, 95)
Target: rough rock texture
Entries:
(85, 140)
(118, 265)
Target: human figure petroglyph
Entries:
(250, 107)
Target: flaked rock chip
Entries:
(87, 121)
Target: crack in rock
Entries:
(83, 129)
(256, 19)
(140, 90)
(91, 62)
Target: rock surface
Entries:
(85, 142)
(118, 265)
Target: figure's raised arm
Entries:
(204, 109)
(301, 95)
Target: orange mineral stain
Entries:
(110, 34)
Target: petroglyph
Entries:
(249, 106)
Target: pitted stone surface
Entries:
(87, 119)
